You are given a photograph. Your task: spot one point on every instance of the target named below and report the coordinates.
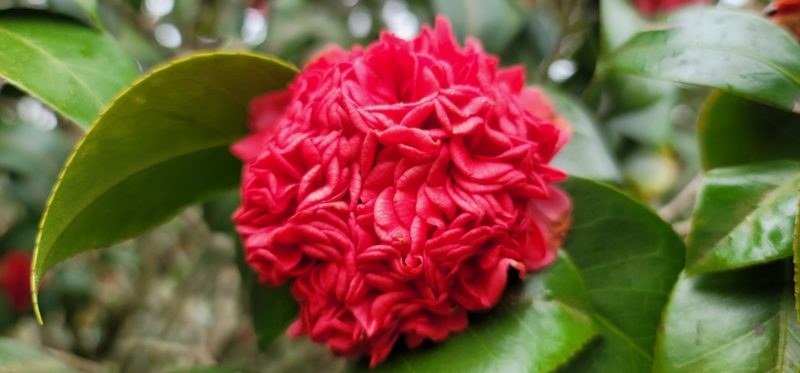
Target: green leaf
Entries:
(161, 145)
(73, 68)
(737, 52)
(734, 131)
(19, 357)
(218, 212)
(744, 216)
(493, 23)
(641, 108)
(738, 321)
(619, 21)
(273, 310)
(629, 259)
(586, 154)
(535, 328)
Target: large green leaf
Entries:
(736, 52)
(535, 328)
(18, 357)
(738, 321)
(162, 145)
(494, 23)
(744, 216)
(629, 259)
(586, 154)
(73, 68)
(733, 131)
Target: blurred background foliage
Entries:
(172, 298)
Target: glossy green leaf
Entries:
(73, 68)
(734, 131)
(619, 21)
(641, 108)
(161, 145)
(744, 216)
(586, 154)
(737, 52)
(494, 23)
(536, 327)
(629, 259)
(738, 321)
(16, 356)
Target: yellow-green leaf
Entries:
(160, 146)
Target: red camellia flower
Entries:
(396, 185)
(787, 14)
(652, 7)
(15, 276)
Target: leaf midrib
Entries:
(45, 260)
(56, 62)
(621, 335)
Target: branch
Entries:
(683, 201)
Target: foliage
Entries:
(705, 286)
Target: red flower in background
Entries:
(787, 14)
(396, 185)
(653, 7)
(15, 276)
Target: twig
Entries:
(683, 227)
(81, 364)
(682, 201)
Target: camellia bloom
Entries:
(653, 7)
(15, 274)
(396, 185)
